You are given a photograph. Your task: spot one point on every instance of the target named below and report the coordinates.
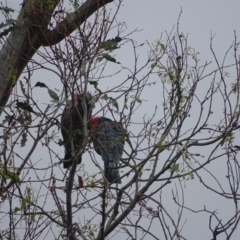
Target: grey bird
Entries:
(108, 140)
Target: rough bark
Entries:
(31, 34)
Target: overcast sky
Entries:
(199, 20)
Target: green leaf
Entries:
(16, 209)
(94, 100)
(94, 83)
(53, 95)
(138, 100)
(105, 97)
(8, 119)
(160, 146)
(108, 58)
(24, 139)
(222, 142)
(162, 46)
(10, 162)
(40, 84)
(27, 117)
(8, 30)
(23, 88)
(8, 22)
(197, 154)
(153, 65)
(12, 76)
(13, 176)
(111, 44)
(33, 217)
(6, 9)
(175, 167)
(25, 106)
(113, 101)
(24, 204)
(115, 104)
(5, 174)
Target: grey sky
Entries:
(199, 20)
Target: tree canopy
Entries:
(186, 136)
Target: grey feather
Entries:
(108, 142)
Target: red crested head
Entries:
(93, 122)
(96, 121)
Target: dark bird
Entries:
(72, 126)
(108, 140)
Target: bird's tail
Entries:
(112, 173)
